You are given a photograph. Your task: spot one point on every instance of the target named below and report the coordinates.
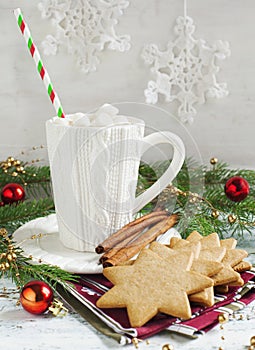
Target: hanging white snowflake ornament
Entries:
(186, 70)
(85, 27)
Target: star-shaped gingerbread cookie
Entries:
(152, 285)
(202, 266)
(211, 245)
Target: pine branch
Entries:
(32, 175)
(196, 214)
(14, 265)
(13, 216)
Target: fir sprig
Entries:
(14, 265)
(38, 200)
(196, 214)
(13, 216)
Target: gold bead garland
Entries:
(12, 166)
(232, 218)
(16, 168)
(8, 258)
(195, 198)
(214, 161)
(215, 213)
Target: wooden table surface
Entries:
(24, 331)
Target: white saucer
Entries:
(50, 250)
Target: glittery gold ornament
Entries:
(223, 318)
(232, 218)
(252, 340)
(167, 347)
(57, 308)
(215, 213)
(213, 161)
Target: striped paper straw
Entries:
(39, 64)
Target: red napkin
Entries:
(91, 287)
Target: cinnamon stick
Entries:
(129, 229)
(136, 245)
(132, 232)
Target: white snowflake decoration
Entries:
(186, 70)
(86, 27)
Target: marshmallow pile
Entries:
(104, 116)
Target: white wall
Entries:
(223, 128)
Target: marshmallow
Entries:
(102, 119)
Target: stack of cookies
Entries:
(167, 278)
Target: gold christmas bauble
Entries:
(223, 318)
(252, 340)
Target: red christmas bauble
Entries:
(12, 193)
(36, 297)
(237, 189)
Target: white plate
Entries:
(50, 250)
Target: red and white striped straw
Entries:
(38, 62)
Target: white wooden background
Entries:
(222, 128)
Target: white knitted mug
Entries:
(94, 173)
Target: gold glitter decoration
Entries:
(223, 318)
(167, 347)
(135, 342)
(57, 308)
